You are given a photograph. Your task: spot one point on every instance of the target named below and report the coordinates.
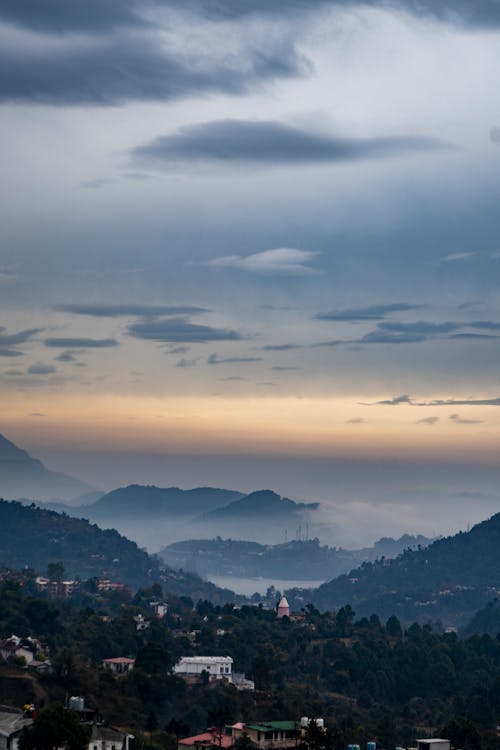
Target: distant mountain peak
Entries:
(21, 475)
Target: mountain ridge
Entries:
(23, 475)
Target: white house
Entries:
(107, 738)
(217, 667)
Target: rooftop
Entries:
(207, 659)
(119, 660)
(208, 738)
(268, 726)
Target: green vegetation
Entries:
(295, 559)
(366, 679)
(449, 580)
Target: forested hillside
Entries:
(448, 580)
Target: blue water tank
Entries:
(371, 746)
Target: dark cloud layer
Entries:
(102, 15)
(213, 359)
(271, 142)
(13, 339)
(180, 330)
(41, 369)
(115, 311)
(80, 343)
(406, 399)
(133, 66)
(371, 312)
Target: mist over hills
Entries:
(34, 537)
(294, 560)
(449, 580)
(22, 475)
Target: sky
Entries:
(250, 242)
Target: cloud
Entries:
(459, 420)
(372, 312)
(4, 352)
(80, 343)
(68, 356)
(180, 330)
(187, 362)
(12, 339)
(36, 414)
(495, 135)
(77, 15)
(134, 64)
(406, 399)
(213, 359)
(387, 337)
(454, 257)
(403, 399)
(129, 310)
(285, 261)
(394, 332)
(419, 328)
(487, 325)
(178, 350)
(98, 16)
(460, 402)
(356, 420)
(272, 142)
(428, 420)
(278, 368)
(281, 347)
(41, 369)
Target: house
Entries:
(107, 738)
(159, 608)
(12, 648)
(276, 734)
(119, 664)
(217, 667)
(56, 589)
(212, 738)
(433, 744)
(12, 723)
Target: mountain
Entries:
(263, 503)
(34, 537)
(449, 580)
(299, 560)
(23, 475)
(149, 501)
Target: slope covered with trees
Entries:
(450, 579)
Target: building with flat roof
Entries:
(217, 667)
(433, 744)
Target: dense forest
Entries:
(33, 537)
(368, 679)
(449, 580)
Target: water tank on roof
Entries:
(304, 721)
(320, 723)
(77, 703)
(371, 746)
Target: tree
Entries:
(55, 571)
(53, 728)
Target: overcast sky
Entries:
(247, 227)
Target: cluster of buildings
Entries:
(13, 721)
(263, 735)
(28, 652)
